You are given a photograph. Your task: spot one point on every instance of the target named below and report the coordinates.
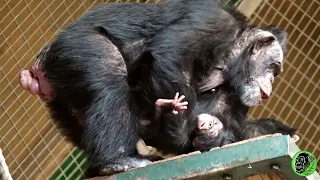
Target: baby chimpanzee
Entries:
(214, 122)
(204, 126)
(202, 131)
(90, 61)
(208, 130)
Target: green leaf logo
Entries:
(304, 163)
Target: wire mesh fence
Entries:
(30, 141)
(296, 98)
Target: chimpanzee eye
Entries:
(210, 125)
(275, 67)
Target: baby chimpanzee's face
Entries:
(210, 133)
(208, 124)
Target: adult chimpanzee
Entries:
(226, 103)
(191, 53)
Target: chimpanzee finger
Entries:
(181, 98)
(165, 101)
(181, 107)
(176, 98)
(161, 102)
(182, 103)
(175, 112)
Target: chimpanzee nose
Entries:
(204, 121)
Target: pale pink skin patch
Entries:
(209, 123)
(176, 102)
(35, 82)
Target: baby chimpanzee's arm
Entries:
(150, 128)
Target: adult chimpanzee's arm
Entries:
(186, 49)
(265, 126)
(168, 67)
(179, 58)
(186, 56)
(161, 128)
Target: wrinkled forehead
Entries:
(274, 50)
(262, 33)
(251, 36)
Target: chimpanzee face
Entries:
(258, 64)
(210, 132)
(208, 124)
(250, 67)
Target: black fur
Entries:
(265, 126)
(181, 42)
(194, 69)
(174, 134)
(224, 104)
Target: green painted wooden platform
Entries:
(236, 161)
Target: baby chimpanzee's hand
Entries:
(173, 104)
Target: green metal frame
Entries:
(70, 168)
(237, 160)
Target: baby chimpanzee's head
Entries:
(211, 133)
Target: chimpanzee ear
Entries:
(279, 33)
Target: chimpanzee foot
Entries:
(175, 103)
(112, 169)
(123, 164)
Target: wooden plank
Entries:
(266, 176)
(238, 160)
(271, 176)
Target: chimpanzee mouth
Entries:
(265, 86)
(214, 134)
(263, 94)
